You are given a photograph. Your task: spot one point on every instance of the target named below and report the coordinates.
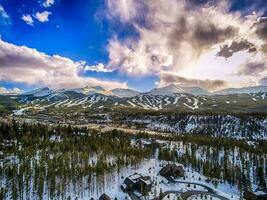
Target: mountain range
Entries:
(167, 90)
(171, 97)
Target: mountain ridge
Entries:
(163, 91)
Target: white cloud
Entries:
(175, 36)
(27, 19)
(3, 12)
(48, 3)
(4, 17)
(42, 16)
(26, 65)
(97, 68)
(10, 91)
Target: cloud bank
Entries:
(25, 65)
(4, 90)
(174, 35)
(211, 85)
(42, 16)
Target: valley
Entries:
(84, 143)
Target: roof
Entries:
(124, 186)
(135, 176)
(171, 168)
(104, 197)
(136, 193)
(260, 193)
(146, 180)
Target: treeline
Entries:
(259, 147)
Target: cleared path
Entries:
(190, 193)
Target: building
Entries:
(104, 197)
(172, 171)
(137, 183)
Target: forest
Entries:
(38, 160)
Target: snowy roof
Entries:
(124, 186)
(135, 176)
(136, 193)
(259, 193)
(146, 180)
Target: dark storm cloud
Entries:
(169, 78)
(228, 50)
(210, 34)
(261, 28)
(206, 35)
(252, 68)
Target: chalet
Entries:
(172, 170)
(137, 183)
(104, 197)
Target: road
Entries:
(164, 194)
(211, 190)
(190, 193)
(128, 130)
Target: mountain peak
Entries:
(166, 90)
(172, 89)
(246, 90)
(99, 88)
(39, 92)
(121, 92)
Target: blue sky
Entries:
(132, 47)
(74, 30)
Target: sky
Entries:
(137, 44)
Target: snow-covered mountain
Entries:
(40, 92)
(174, 89)
(167, 90)
(196, 91)
(89, 90)
(245, 90)
(120, 92)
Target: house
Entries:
(104, 197)
(144, 184)
(137, 183)
(172, 170)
